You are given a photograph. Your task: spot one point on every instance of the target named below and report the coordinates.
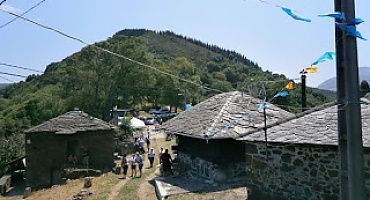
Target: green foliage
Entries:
(125, 128)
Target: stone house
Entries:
(206, 135)
(301, 160)
(71, 140)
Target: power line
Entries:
(25, 68)
(2, 2)
(110, 52)
(6, 79)
(10, 74)
(27, 11)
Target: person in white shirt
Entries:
(139, 160)
(151, 156)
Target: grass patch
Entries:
(102, 186)
(129, 191)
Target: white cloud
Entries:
(10, 8)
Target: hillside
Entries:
(94, 81)
(3, 85)
(331, 84)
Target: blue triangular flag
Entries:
(336, 15)
(281, 94)
(294, 16)
(350, 29)
(355, 21)
(324, 57)
(262, 106)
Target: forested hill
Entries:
(94, 81)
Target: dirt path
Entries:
(115, 191)
(146, 190)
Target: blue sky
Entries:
(263, 33)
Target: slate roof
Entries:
(318, 126)
(227, 115)
(70, 123)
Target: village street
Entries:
(108, 186)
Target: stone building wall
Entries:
(46, 155)
(295, 171)
(196, 167)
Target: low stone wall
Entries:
(295, 172)
(200, 168)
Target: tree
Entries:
(364, 88)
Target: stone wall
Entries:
(232, 172)
(295, 171)
(46, 155)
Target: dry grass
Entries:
(102, 186)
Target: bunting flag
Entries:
(326, 56)
(310, 70)
(262, 106)
(355, 21)
(294, 16)
(281, 94)
(350, 30)
(336, 15)
(290, 85)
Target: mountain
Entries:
(331, 84)
(95, 81)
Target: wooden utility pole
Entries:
(353, 110)
(303, 91)
(342, 128)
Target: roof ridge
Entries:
(219, 115)
(296, 116)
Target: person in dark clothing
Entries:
(166, 162)
(124, 165)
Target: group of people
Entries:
(136, 162)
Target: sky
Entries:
(261, 32)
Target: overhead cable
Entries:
(10, 74)
(27, 11)
(110, 52)
(3, 1)
(25, 68)
(7, 79)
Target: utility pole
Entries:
(341, 124)
(353, 111)
(303, 91)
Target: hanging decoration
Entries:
(290, 85)
(355, 21)
(309, 70)
(336, 15)
(262, 106)
(326, 56)
(350, 30)
(281, 94)
(294, 16)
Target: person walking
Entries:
(151, 156)
(139, 161)
(160, 155)
(124, 165)
(133, 166)
(166, 162)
